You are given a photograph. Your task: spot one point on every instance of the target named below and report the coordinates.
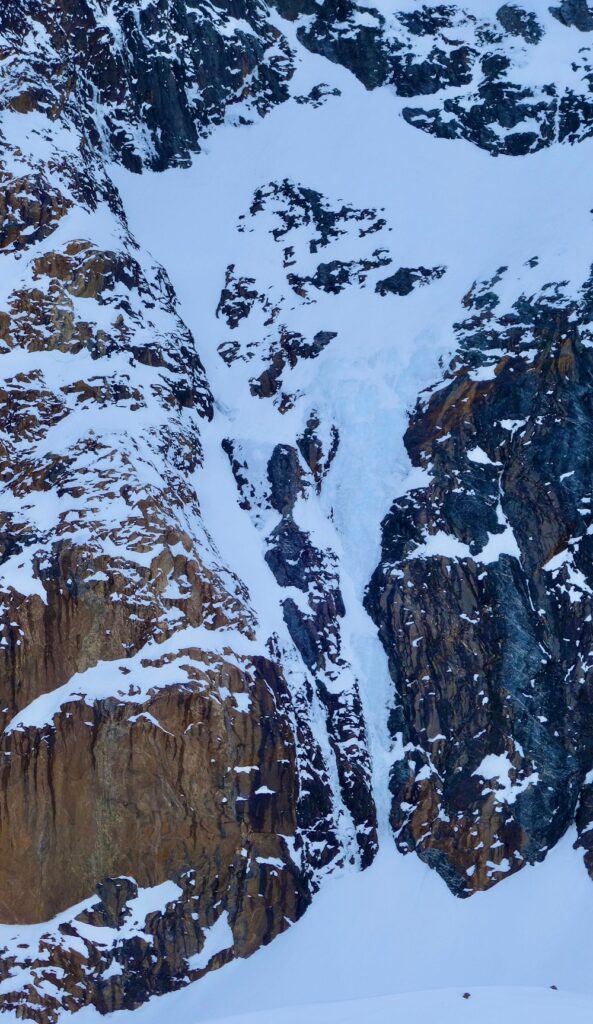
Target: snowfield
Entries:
(392, 944)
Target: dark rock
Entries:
(111, 911)
(406, 279)
(313, 450)
(318, 95)
(574, 14)
(286, 478)
(171, 78)
(336, 275)
(518, 22)
(482, 650)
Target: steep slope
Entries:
(483, 595)
(152, 748)
(205, 417)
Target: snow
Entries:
(444, 545)
(113, 971)
(576, 585)
(479, 456)
(386, 351)
(390, 943)
(498, 767)
(137, 677)
(146, 902)
(442, 200)
(373, 943)
(218, 937)
(447, 1006)
(18, 938)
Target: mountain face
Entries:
(483, 598)
(202, 536)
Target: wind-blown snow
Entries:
(218, 937)
(141, 677)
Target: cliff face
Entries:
(143, 83)
(483, 595)
(152, 749)
(182, 761)
(157, 792)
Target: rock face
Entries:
(574, 13)
(181, 764)
(483, 596)
(154, 746)
(143, 85)
(136, 741)
(476, 70)
(170, 764)
(156, 785)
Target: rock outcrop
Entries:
(471, 73)
(143, 84)
(483, 595)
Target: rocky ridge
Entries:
(481, 73)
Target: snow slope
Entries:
(393, 941)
